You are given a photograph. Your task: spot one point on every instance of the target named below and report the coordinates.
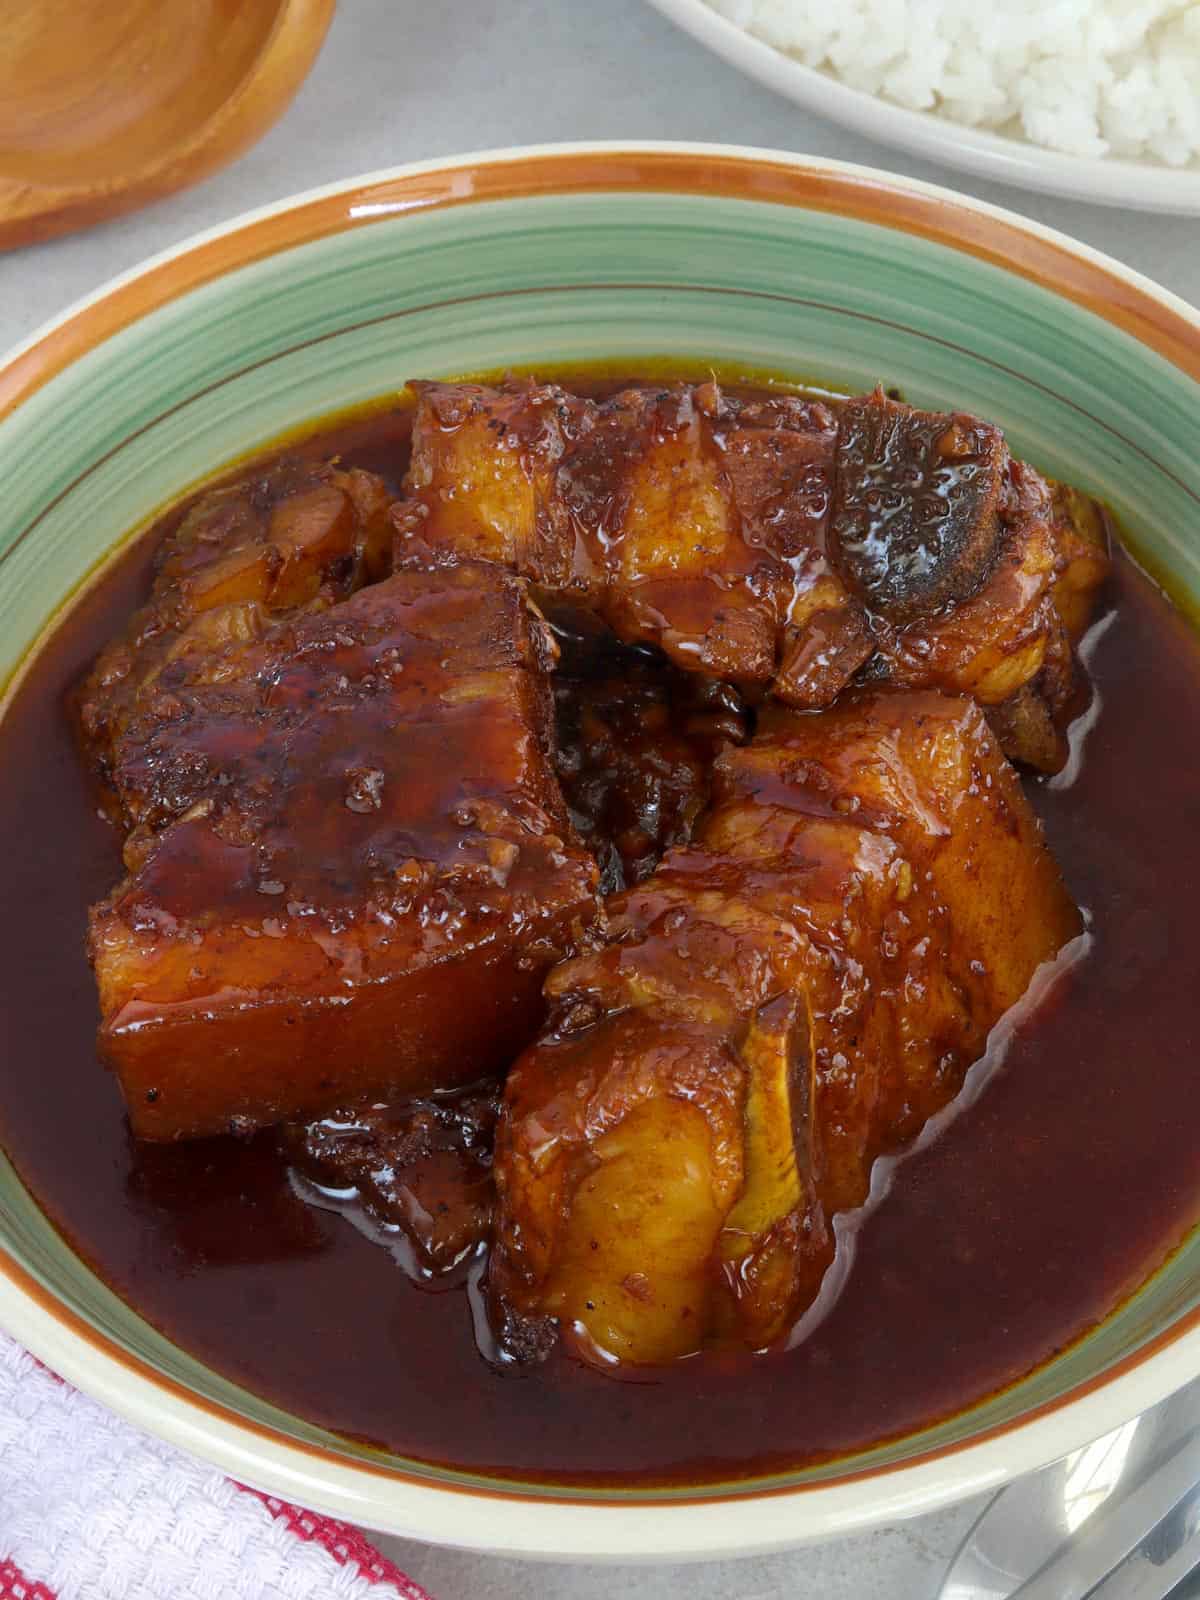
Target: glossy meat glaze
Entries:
(346, 808)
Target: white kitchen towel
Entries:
(93, 1509)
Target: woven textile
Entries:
(91, 1509)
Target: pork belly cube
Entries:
(298, 535)
(481, 481)
(685, 518)
(923, 770)
(974, 901)
(786, 999)
(643, 1124)
(370, 869)
(648, 492)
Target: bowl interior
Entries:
(557, 278)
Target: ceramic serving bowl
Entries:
(1106, 181)
(752, 259)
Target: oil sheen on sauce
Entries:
(1025, 1222)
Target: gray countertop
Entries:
(399, 81)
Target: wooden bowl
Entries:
(107, 104)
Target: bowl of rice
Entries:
(1095, 99)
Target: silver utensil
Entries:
(1118, 1520)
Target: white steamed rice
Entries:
(1089, 77)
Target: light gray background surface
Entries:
(401, 81)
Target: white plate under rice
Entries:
(1087, 77)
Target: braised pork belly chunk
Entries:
(784, 1000)
(689, 521)
(780, 543)
(360, 865)
(296, 536)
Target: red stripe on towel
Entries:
(345, 1544)
(50, 1373)
(14, 1585)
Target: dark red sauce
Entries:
(1040, 1207)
